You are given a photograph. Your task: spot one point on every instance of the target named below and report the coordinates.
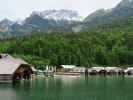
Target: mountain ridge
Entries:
(51, 21)
(123, 10)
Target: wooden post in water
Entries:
(86, 72)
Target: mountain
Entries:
(123, 10)
(62, 14)
(5, 24)
(95, 15)
(46, 21)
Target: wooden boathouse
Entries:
(12, 69)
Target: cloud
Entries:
(15, 9)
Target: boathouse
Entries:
(65, 68)
(12, 69)
(112, 70)
(78, 70)
(97, 70)
(129, 71)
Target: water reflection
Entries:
(70, 88)
(7, 92)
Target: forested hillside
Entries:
(106, 45)
(122, 11)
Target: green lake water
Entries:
(70, 88)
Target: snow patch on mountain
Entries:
(69, 15)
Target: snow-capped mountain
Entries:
(69, 15)
(46, 21)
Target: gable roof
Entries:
(8, 64)
(68, 66)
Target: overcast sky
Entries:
(19, 9)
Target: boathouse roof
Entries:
(98, 68)
(68, 66)
(129, 69)
(113, 68)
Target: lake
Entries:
(70, 88)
